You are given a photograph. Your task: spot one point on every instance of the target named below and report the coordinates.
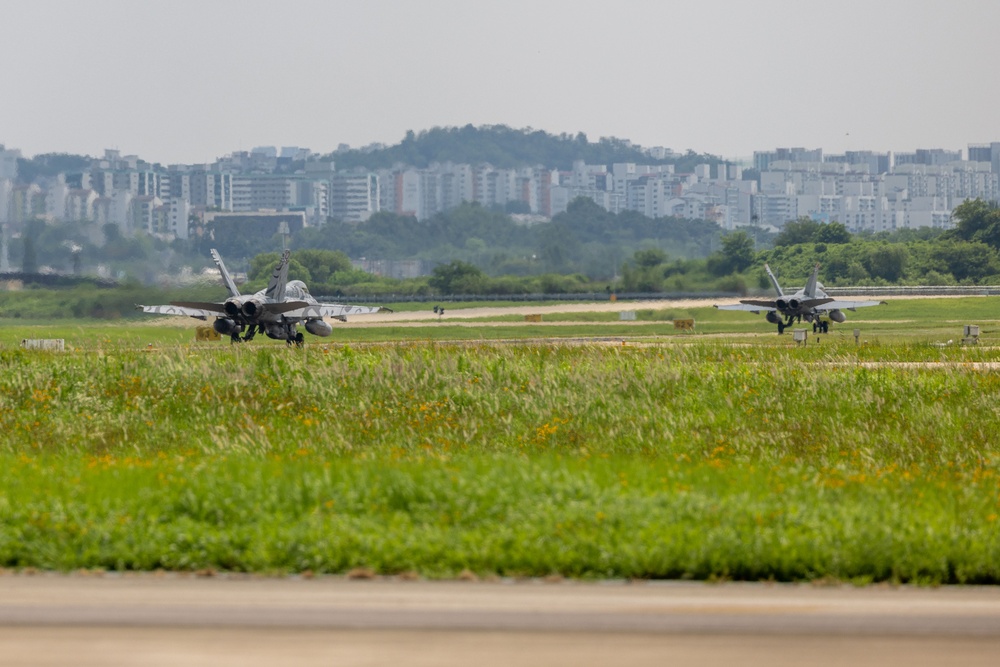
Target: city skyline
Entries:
(188, 83)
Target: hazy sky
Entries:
(192, 80)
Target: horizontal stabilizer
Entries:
(814, 303)
(284, 307)
(848, 305)
(750, 306)
(331, 310)
(760, 303)
(198, 313)
(201, 305)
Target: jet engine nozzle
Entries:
(837, 316)
(793, 304)
(226, 327)
(781, 304)
(232, 307)
(252, 308)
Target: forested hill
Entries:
(505, 148)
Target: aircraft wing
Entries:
(199, 313)
(750, 305)
(847, 305)
(320, 310)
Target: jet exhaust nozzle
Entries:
(781, 304)
(793, 304)
(252, 308)
(232, 308)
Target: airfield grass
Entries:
(907, 322)
(711, 458)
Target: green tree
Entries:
(738, 249)
(458, 277)
(262, 267)
(803, 230)
(650, 257)
(886, 261)
(737, 254)
(973, 217)
(833, 232)
(321, 264)
(967, 260)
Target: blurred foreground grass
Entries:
(704, 460)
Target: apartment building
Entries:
(8, 163)
(354, 197)
(865, 190)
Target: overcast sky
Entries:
(191, 80)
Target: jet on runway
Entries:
(275, 311)
(810, 303)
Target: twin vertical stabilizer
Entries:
(279, 278)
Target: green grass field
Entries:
(671, 456)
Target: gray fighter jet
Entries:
(810, 303)
(275, 311)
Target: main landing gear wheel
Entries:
(781, 328)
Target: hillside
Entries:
(505, 147)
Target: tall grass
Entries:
(697, 460)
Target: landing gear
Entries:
(293, 336)
(250, 332)
(821, 326)
(781, 328)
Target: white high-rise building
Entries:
(8, 163)
(354, 197)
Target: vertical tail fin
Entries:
(774, 281)
(226, 278)
(810, 288)
(279, 278)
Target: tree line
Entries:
(586, 249)
(506, 148)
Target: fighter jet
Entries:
(810, 303)
(275, 311)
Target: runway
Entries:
(176, 619)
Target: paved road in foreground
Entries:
(174, 620)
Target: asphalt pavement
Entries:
(170, 619)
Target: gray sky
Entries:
(189, 81)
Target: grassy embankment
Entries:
(705, 460)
